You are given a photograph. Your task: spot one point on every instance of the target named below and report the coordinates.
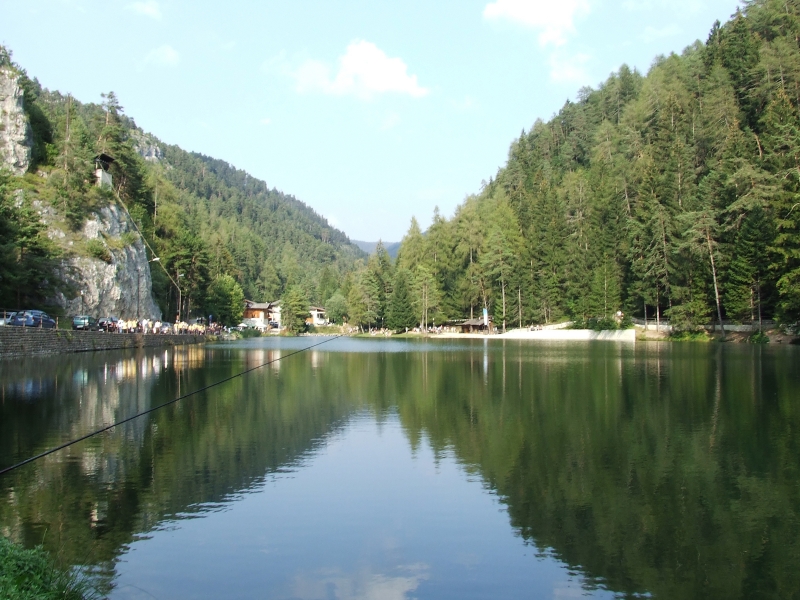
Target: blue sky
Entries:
(370, 112)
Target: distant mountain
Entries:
(369, 247)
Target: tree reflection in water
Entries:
(666, 469)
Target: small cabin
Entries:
(476, 326)
(102, 163)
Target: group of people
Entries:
(149, 326)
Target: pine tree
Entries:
(294, 309)
(401, 312)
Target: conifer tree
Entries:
(401, 312)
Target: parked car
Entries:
(85, 323)
(5, 317)
(108, 323)
(166, 328)
(32, 318)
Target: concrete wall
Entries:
(28, 341)
(562, 335)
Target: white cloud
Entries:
(164, 56)
(359, 586)
(148, 8)
(569, 68)
(266, 121)
(364, 71)
(555, 19)
(651, 34)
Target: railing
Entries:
(729, 325)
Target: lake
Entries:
(399, 469)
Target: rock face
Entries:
(121, 287)
(147, 146)
(16, 137)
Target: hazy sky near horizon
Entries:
(370, 112)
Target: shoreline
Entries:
(18, 342)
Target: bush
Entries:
(689, 336)
(250, 333)
(27, 574)
(759, 337)
(597, 324)
(98, 249)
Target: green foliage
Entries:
(31, 574)
(336, 308)
(401, 311)
(225, 300)
(27, 256)
(98, 249)
(673, 193)
(689, 336)
(294, 310)
(597, 324)
(249, 333)
(759, 337)
(203, 217)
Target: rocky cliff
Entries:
(113, 278)
(16, 138)
(117, 284)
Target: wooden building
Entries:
(262, 315)
(476, 326)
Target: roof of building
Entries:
(475, 322)
(105, 159)
(258, 305)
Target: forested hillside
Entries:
(224, 231)
(674, 194)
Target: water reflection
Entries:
(661, 470)
(364, 585)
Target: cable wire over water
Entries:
(155, 408)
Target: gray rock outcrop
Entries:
(147, 146)
(121, 286)
(16, 137)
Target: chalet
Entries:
(476, 326)
(262, 315)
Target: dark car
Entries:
(108, 323)
(33, 318)
(85, 322)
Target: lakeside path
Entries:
(562, 335)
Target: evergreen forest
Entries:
(227, 233)
(671, 195)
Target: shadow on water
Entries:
(668, 470)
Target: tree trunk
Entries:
(760, 322)
(644, 305)
(716, 287)
(658, 311)
(503, 290)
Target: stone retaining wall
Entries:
(29, 341)
(574, 335)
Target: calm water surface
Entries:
(389, 469)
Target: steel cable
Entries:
(155, 408)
